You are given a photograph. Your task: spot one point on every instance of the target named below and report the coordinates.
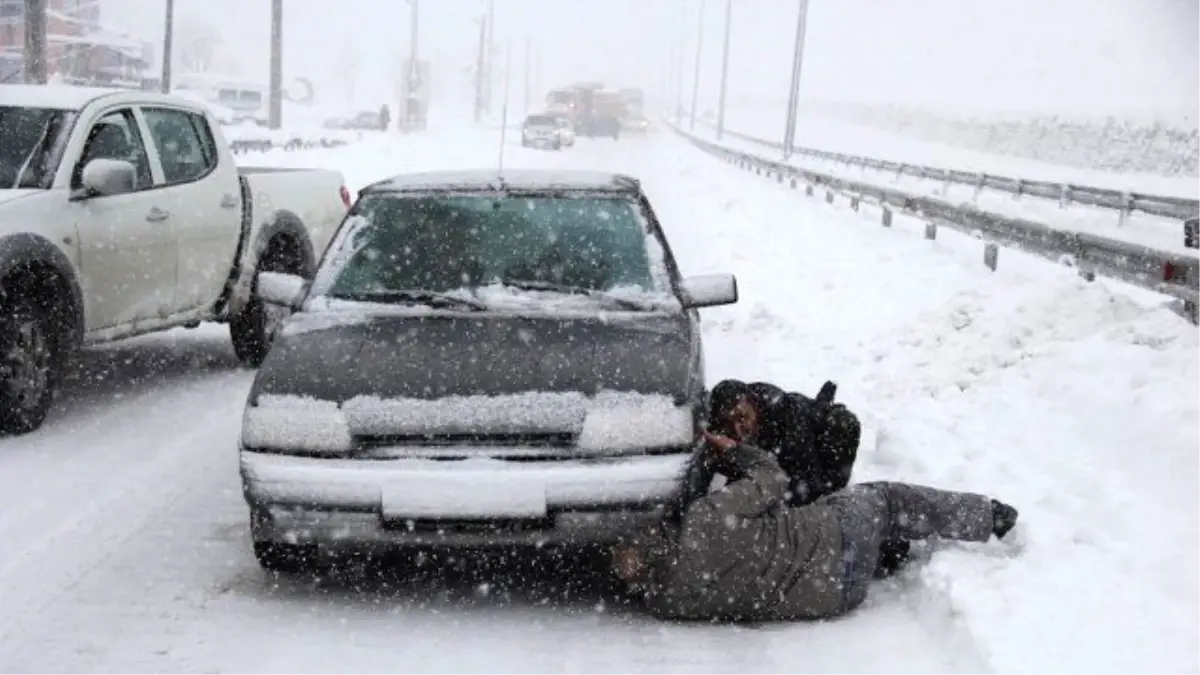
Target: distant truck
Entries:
(123, 213)
(600, 113)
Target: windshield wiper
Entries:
(538, 285)
(429, 298)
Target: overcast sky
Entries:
(1095, 56)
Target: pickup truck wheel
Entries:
(28, 367)
(285, 558)
(253, 327)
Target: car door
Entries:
(127, 250)
(205, 202)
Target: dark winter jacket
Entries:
(741, 553)
(815, 442)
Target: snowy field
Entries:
(1140, 228)
(125, 534)
(824, 133)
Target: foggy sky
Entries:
(1094, 56)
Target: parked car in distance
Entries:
(480, 360)
(123, 213)
(541, 131)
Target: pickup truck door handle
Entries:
(229, 202)
(156, 214)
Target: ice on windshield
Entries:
(448, 243)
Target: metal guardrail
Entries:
(1064, 193)
(1173, 274)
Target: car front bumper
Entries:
(353, 503)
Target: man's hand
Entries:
(719, 442)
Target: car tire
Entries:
(30, 367)
(557, 145)
(252, 328)
(285, 558)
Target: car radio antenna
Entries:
(504, 108)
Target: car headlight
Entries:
(296, 424)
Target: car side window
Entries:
(116, 136)
(184, 141)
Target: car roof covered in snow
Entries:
(533, 180)
(63, 97)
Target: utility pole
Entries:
(275, 114)
(724, 71)
(411, 114)
(483, 22)
(491, 54)
(35, 42)
(168, 49)
(679, 63)
(789, 134)
(528, 52)
(696, 72)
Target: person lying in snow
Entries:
(742, 553)
(814, 440)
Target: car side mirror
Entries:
(106, 177)
(281, 290)
(709, 290)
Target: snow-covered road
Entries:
(125, 544)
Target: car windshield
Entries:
(28, 137)
(539, 121)
(583, 245)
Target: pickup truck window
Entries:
(28, 137)
(184, 141)
(116, 136)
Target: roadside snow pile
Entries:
(1081, 408)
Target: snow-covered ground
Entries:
(125, 536)
(1141, 228)
(823, 133)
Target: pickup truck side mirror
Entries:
(281, 290)
(105, 177)
(709, 290)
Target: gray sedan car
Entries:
(480, 360)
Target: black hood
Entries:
(434, 356)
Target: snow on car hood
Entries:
(436, 356)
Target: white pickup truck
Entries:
(123, 213)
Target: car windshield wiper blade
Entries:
(539, 285)
(430, 298)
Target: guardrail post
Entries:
(991, 253)
(931, 231)
(779, 177)
(854, 202)
(793, 182)
(1126, 207)
(886, 218)
(946, 185)
(1020, 191)
(1191, 233)
(980, 182)
(1064, 196)
(829, 196)
(808, 190)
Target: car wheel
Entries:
(253, 328)
(29, 367)
(285, 558)
(557, 145)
